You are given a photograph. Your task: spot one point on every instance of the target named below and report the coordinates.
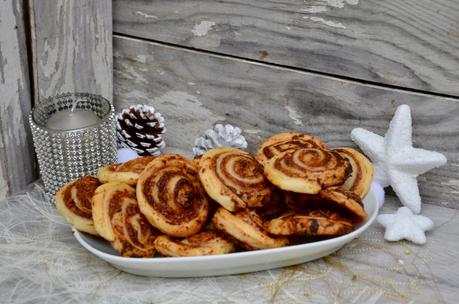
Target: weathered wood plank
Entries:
(409, 43)
(72, 44)
(195, 90)
(16, 154)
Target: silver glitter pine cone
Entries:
(219, 136)
(140, 128)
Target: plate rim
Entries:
(235, 255)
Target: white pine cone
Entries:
(140, 128)
(219, 136)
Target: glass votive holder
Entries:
(82, 140)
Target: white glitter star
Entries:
(395, 160)
(405, 225)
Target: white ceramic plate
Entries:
(233, 263)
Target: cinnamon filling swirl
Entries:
(136, 165)
(345, 203)
(74, 202)
(234, 179)
(77, 196)
(173, 193)
(277, 148)
(247, 228)
(324, 223)
(172, 197)
(127, 172)
(285, 142)
(118, 219)
(308, 162)
(203, 243)
(359, 181)
(307, 170)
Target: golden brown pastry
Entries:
(117, 219)
(74, 202)
(359, 181)
(171, 196)
(325, 223)
(202, 243)
(307, 170)
(285, 142)
(127, 172)
(234, 179)
(197, 160)
(247, 228)
(346, 203)
(276, 206)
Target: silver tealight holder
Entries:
(73, 135)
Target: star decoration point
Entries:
(405, 225)
(395, 160)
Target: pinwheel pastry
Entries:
(326, 223)
(117, 219)
(285, 142)
(74, 202)
(346, 203)
(203, 243)
(359, 181)
(171, 196)
(276, 206)
(307, 170)
(246, 227)
(127, 172)
(234, 179)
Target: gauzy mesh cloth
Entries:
(41, 262)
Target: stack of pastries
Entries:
(295, 189)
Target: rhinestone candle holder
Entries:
(65, 155)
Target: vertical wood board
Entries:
(16, 152)
(72, 45)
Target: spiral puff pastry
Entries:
(287, 141)
(324, 223)
(346, 203)
(171, 196)
(127, 172)
(247, 228)
(307, 170)
(203, 243)
(359, 181)
(234, 179)
(74, 202)
(117, 219)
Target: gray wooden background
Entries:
(317, 66)
(72, 47)
(16, 153)
(322, 67)
(70, 50)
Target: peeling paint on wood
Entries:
(254, 96)
(72, 42)
(203, 28)
(326, 22)
(407, 43)
(294, 115)
(316, 7)
(16, 156)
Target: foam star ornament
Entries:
(405, 225)
(395, 160)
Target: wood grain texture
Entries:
(195, 90)
(72, 46)
(16, 155)
(408, 43)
